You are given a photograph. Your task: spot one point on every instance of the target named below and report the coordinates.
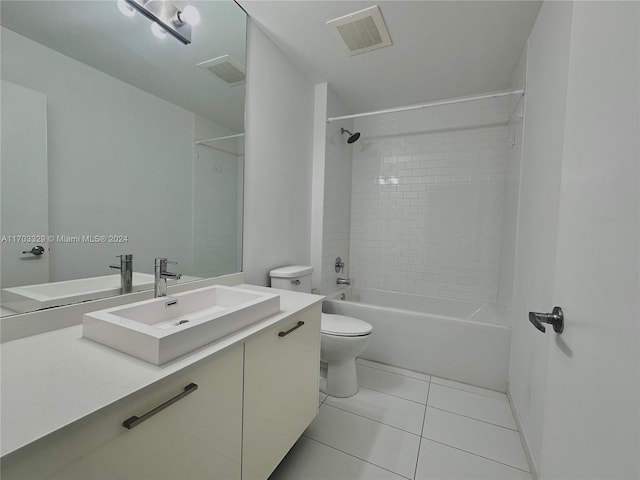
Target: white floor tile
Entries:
(441, 462)
(392, 369)
(474, 436)
(311, 460)
(469, 388)
(480, 407)
(393, 384)
(384, 408)
(371, 441)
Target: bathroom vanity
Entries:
(75, 409)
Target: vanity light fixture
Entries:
(157, 30)
(165, 17)
(125, 9)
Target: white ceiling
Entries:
(441, 49)
(97, 34)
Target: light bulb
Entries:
(125, 8)
(158, 31)
(190, 15)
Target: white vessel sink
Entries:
(28, 298)
(164, 328)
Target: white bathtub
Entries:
(454, 339)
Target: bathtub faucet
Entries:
(343, 281)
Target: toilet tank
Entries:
(295, 277)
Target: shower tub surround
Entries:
(427, 200)
(454, 339)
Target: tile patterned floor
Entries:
(407, 425)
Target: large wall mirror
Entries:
(117, 142)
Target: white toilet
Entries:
(342, 338)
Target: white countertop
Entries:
(53, 379)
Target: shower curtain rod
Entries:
(201, 142)
(429, 104)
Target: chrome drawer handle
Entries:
(134, 421)
(295, 282)
(295, 327)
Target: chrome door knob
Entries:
(37, 250)
(555, 318)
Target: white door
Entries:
(24, 192)
(591, 419)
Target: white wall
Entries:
(337, 195)
(426, 205)
(511, 194)
(546, 79)
(278, 160)
(120, 162)
(321, 91)
(331, 192)
(217, 192)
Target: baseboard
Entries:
(523, 437)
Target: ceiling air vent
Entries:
(225, 68)
(361, 31)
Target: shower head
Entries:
(353, 137)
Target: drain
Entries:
(183, 321)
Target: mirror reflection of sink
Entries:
(28, 298)
(164, 328)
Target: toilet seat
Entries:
(343, 326)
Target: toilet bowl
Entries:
(342, 340)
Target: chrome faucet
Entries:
(161, 275)
(126, 272)
(343, 281)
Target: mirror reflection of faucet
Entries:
(126, 272)
(161, 275)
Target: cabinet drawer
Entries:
(197, 437)
(281, 390)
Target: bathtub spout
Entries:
(343, 281)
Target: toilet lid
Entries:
(343, 326)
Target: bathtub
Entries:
(454, 339)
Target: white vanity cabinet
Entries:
(196, 437)
(280, 390)
(256, 393)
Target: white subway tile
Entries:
(442, 220)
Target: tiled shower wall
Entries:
(426, 204)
